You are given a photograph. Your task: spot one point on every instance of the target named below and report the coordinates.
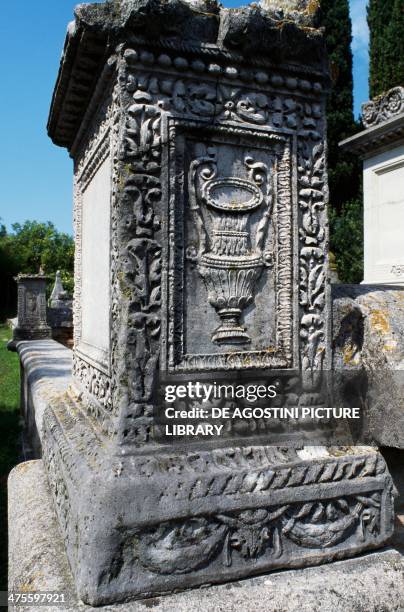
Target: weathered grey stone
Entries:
(12, 323)
(383, 107)
(304, 12)
(98, 28)
(37, 562)
(198, 141)
(59, 298)
(48, 379)
(31, 312)
(46, 368)
(60, 314)
(368, 337)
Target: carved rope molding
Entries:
(383, 107)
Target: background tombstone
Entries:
(59, 298)
(31, 308)
(381, 146)
(60, 313)
(201, 254)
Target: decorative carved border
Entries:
(210, 61)
(384, 107)
(283, 228)
(272, 533)
(313, 255)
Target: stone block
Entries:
(368, 353)
(46, 368)
(37, 562)
(31, 314)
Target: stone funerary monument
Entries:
(31, 321)
(198, 140)
(381, 147)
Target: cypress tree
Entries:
(394, 55)
(344, 173)
(386, 24)
(344, 170)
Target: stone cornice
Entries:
(227, 36)
(83, 59)
(366, 142)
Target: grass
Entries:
(9, 433)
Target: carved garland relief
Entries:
(183, 547)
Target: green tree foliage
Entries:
(386, 24)
(40, 245)
(347, 240)
(8, 269)
(344, 170)
(28, 248)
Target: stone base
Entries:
(138, 525)
(29, 334)
(37, 562)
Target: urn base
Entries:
(230, 331)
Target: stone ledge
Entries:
(37, 562)
(390, 133)
(46, 368)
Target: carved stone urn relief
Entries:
(230, 257)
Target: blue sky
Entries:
(36, 176)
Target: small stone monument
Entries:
(381, 146)
(59, 298)
(197, 134)
(60, 314)
(31, 309)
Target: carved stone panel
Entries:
(95, 287)
(383, 107)
(230, 250)
(92, 286)
(383, 181)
